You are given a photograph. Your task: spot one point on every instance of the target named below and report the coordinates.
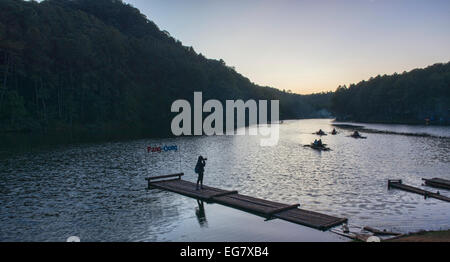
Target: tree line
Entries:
(417, 97)
(101, 67)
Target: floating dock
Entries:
(399, 185)
(437, 182)
(261, 207)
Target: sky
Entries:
(309, 46)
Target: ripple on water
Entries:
(98, 190)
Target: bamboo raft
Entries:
(437, 182)
(261, 207)
(399, 185)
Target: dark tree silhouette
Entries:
(410, 97)
(101, 67)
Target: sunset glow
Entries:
(309, 46)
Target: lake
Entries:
(98, 191)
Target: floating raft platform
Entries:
(437, 182)
(261, 207)
(320, 148)
(399, 185)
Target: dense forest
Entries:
(103, 68)
(410, 97)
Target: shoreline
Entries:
(423, 236)
(387, 122)
(362, 128)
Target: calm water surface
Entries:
(98, 191)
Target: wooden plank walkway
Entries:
(437, 182)
(399, 185)
(261, 207)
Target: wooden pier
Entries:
(261, 207)
(437, 182)
(399, 185)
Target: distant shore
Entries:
(395, 122)
(361, 128)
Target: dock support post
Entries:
(390, 181)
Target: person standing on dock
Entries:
(200, 169)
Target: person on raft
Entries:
(320, 132)
(334, 132)
(200, 169)
(356, 134)
(318, 143)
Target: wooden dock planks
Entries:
(399, 185)
(438, 183)
(251, 204)
(311, 219)
(265, 208)
(189, 189)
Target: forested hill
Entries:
(102, 66)
(411, 97)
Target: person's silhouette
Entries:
(200, 169)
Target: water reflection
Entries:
(98, 191)
(200, 213)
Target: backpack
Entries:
(197, 169)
